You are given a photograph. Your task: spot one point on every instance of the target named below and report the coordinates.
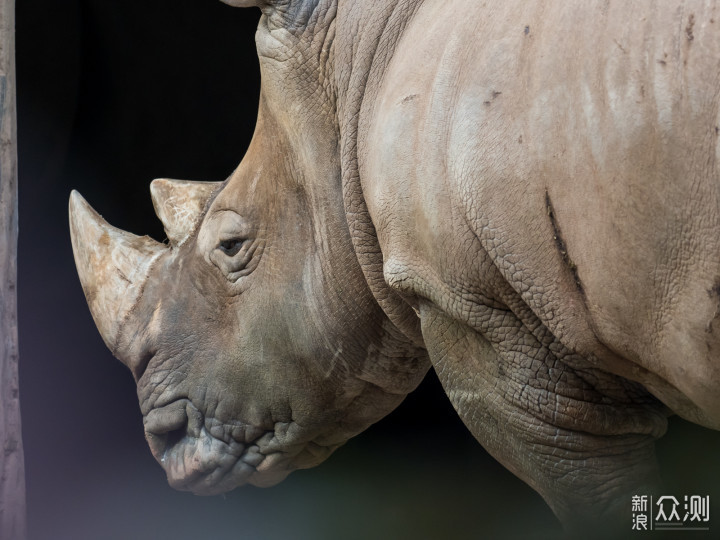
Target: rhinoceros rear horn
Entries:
(179, 205)
(113, 266)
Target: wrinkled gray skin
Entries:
(523, 193)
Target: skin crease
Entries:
(527, 192)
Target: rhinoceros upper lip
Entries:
(207, 456)
(165, 426)
(168, 418)
(200, 455)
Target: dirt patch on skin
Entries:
(689, 27)
(493, 95)
(714, 293)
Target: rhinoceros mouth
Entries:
(207, 457)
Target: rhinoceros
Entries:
(522, 195)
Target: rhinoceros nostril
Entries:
(175, 436)
(138, 368)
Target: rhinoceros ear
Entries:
(113, 266)
(179, 205)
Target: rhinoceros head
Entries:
(255, 349)
(255, 341)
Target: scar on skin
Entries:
(560, 244)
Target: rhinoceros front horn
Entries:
(113, 266)
(179, 204)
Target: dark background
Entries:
(114, 93)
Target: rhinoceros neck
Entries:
(368, 32)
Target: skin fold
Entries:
(523, 195)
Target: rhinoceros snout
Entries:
(200, 454)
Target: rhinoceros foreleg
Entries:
(582, 438)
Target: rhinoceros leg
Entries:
(584, 439)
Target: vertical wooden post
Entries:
(12, 466)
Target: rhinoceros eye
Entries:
(231, 243)
(232, 246)
(236, 256)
